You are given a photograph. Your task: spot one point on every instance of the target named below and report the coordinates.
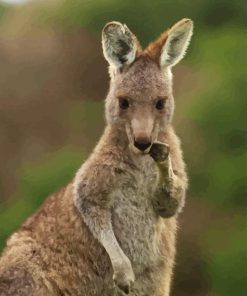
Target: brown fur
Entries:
(106, 224)
(154, 49)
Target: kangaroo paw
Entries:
(159, 151)
(124, 276)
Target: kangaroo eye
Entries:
(160, 104)
(124, 103)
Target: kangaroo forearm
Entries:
(98, 220)
(92, 197)
(169, 197)
(169, 200)
(165, 171)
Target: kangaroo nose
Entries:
(142, 144)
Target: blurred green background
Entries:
(53, 80)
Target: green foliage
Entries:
(36, 182)
(226, 257)
(147, 17)
(219, 114)
(3, 10)
(218, 117)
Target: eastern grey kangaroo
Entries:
(112, 230)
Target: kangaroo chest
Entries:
(135, 223)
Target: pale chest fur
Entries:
(136, 225)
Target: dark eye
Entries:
(160, 104)
(124, 103)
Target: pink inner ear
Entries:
(154, 49)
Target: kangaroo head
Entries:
(140, 100)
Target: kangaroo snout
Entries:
(142, 129)
(142, 143)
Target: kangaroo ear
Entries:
(171, 47)
(120, 45)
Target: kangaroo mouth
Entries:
(132, 146)
(138, 151)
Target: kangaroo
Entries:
(112, 230)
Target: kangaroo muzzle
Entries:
(142, 143)
(142, 129)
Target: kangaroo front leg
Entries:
(98, 220)
(169, 196)
(123, 274)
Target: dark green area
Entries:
(219, 115)
(148, 17)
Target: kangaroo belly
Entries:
(146, 239)
(136, 227)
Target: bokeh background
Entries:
(53, 80)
